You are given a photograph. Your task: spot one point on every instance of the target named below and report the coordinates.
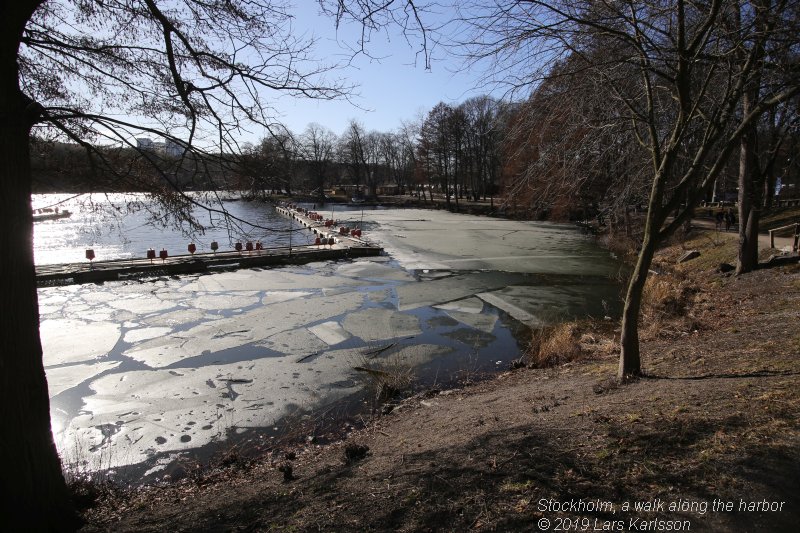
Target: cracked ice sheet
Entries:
(141, 304)
(160, 411)
(252, 326)
(381, 324)
(179, 318)
(49, 298)
(45, 310)
(211, 302)
(72, 341)
(64, 378)
(100, 297)
(281, 296)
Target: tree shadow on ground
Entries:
(498, 480)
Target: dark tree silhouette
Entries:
(196, 73)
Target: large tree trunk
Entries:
(749, 199)
(32, 482)
(35, 495)
(629, 358)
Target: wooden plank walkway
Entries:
(344, 247)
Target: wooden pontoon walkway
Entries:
(344, 247)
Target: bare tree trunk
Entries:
(630, 359)
(35, 494)
(749, 200)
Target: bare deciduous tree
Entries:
(194, 72)
(686, 100)
(317, 146)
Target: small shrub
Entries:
(386, 378)
(623, 246)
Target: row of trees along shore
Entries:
(539, 157)
(625, 101)
(456, 148)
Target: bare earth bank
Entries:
(709, 441)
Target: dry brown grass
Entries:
(666, 305)
(555, 345)
(622, 245)
(662, 297)
(568, 342)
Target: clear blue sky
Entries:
(390, 90)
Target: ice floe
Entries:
(225, 301)
(71, 341)
(62, 378)
(143, 334)
(380, 324)
(330, 333)
(142, 304)
(467, 305)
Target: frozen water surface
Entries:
(141, 372)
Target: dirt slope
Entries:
(716, 419)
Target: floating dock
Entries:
(336, 246)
